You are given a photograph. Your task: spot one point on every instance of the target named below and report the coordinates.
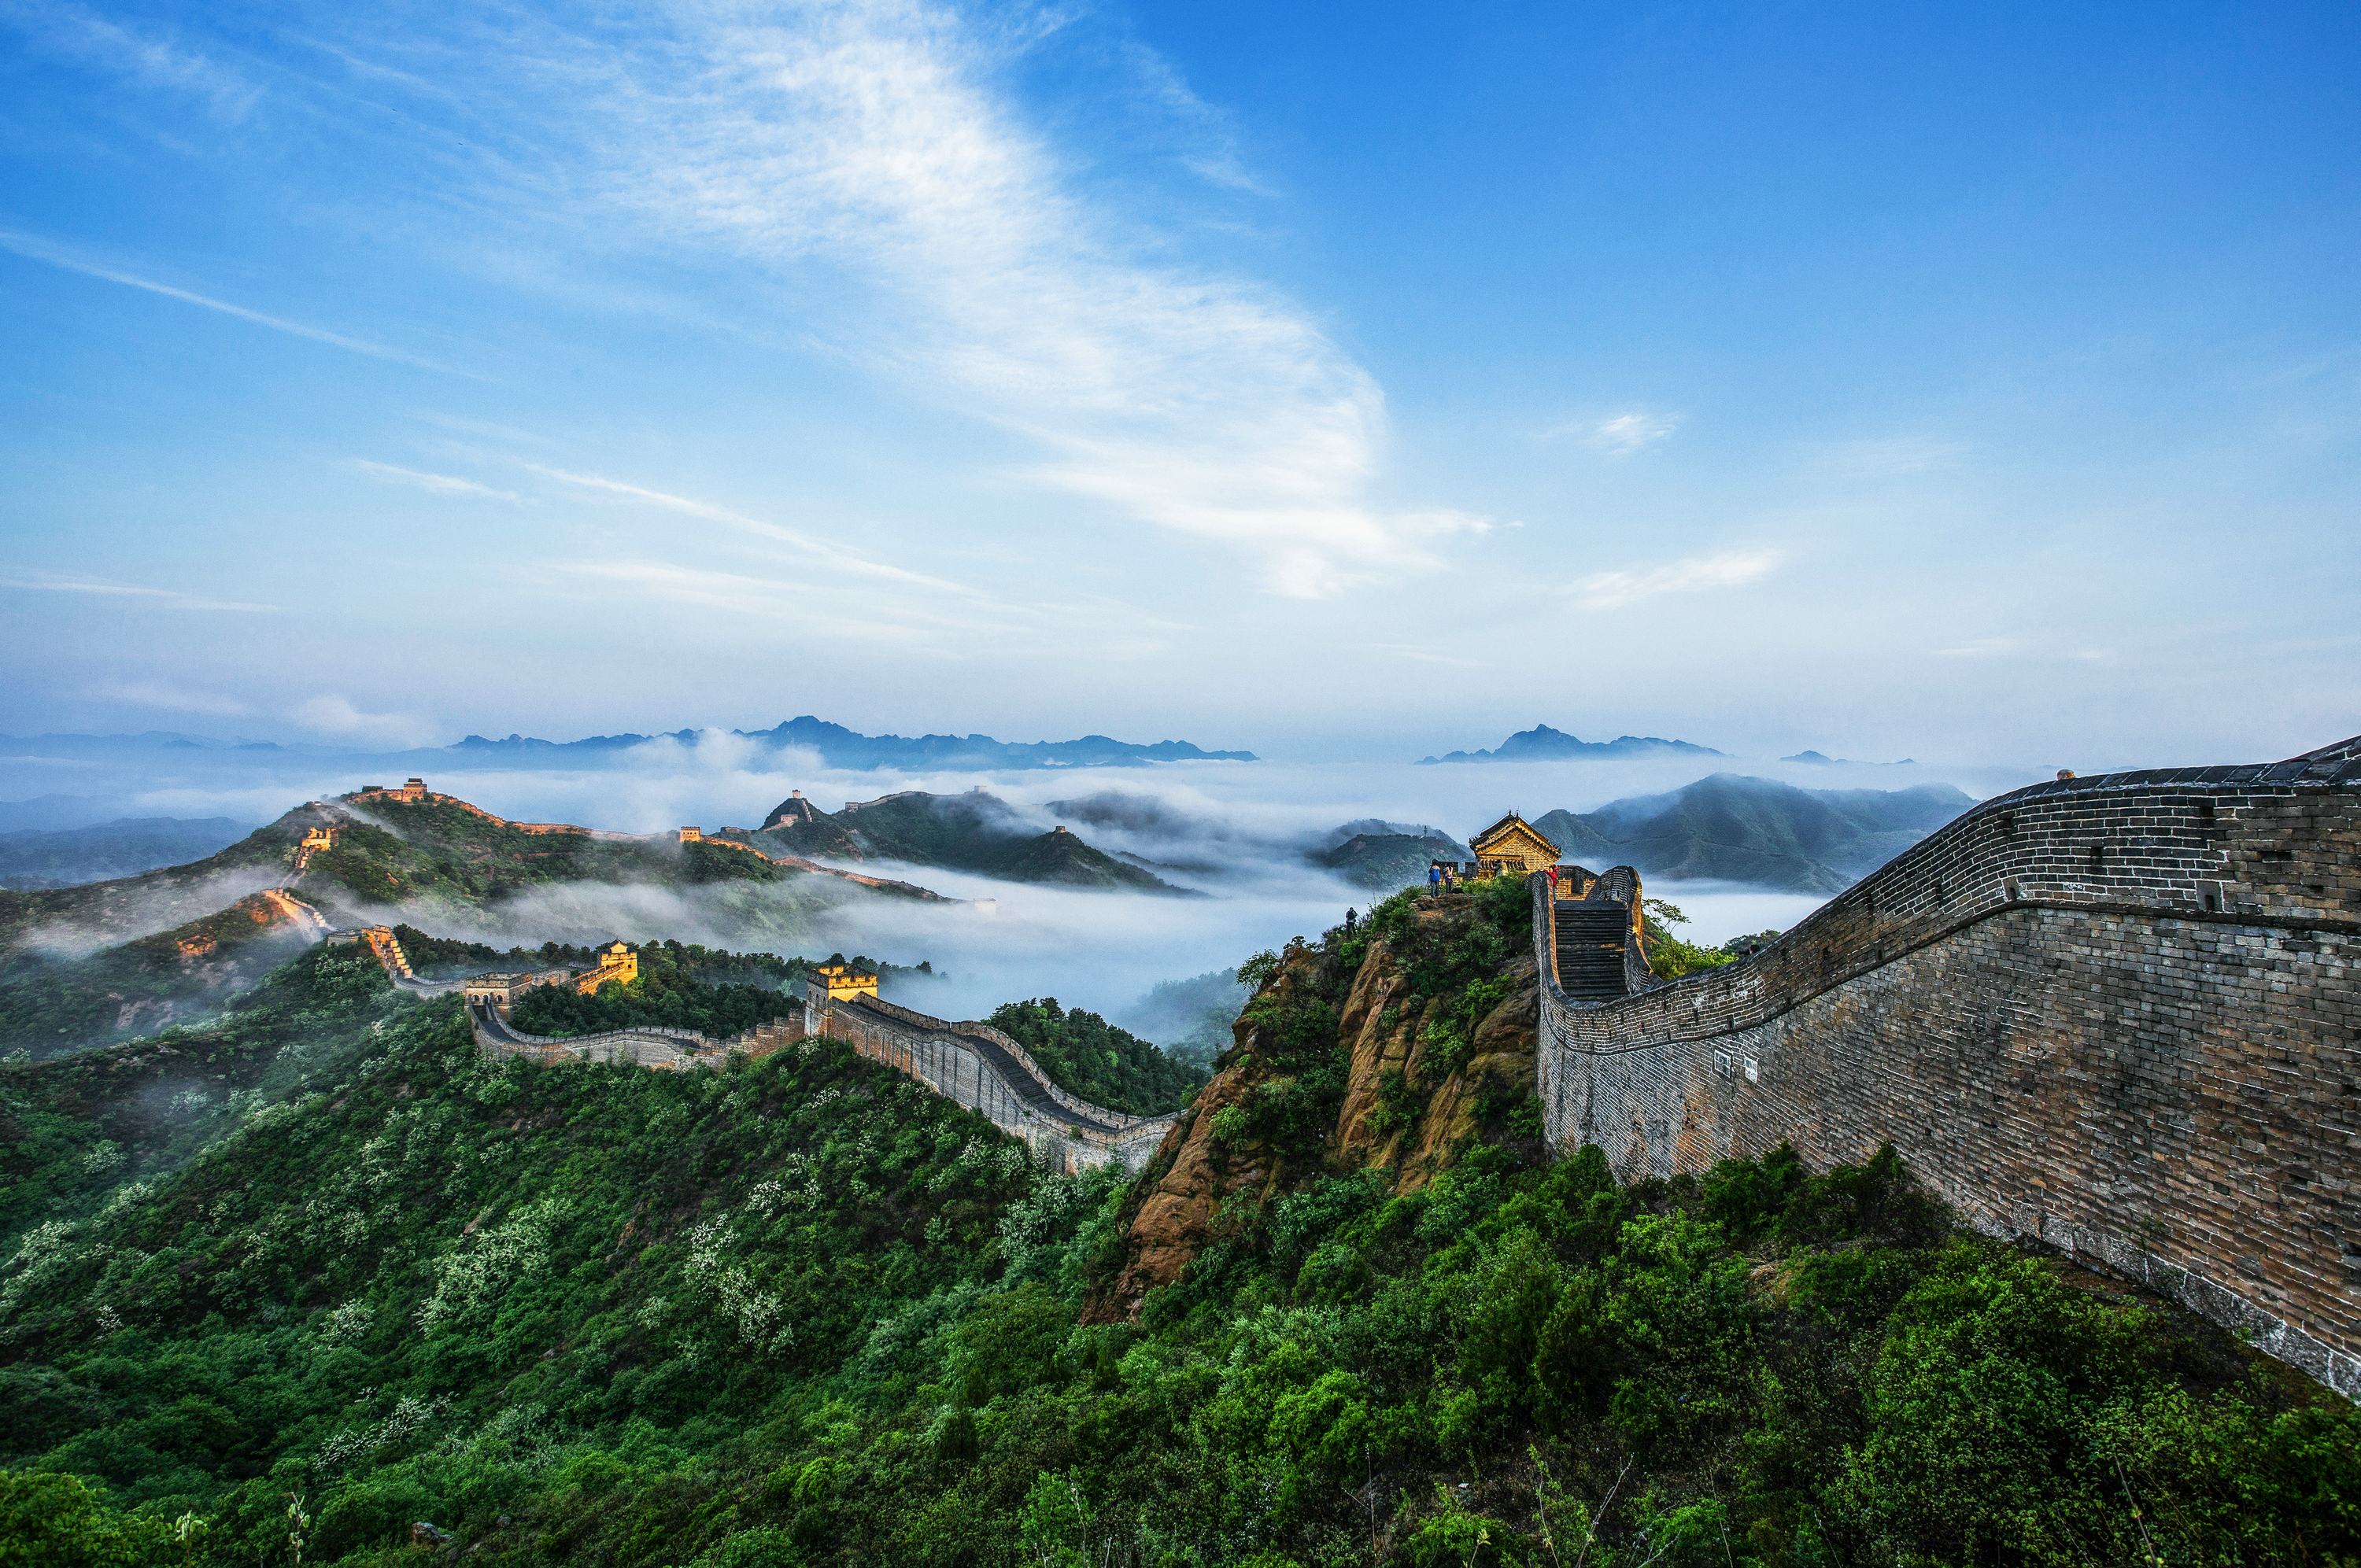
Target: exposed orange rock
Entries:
(1197, 1177)
(1200, 1188)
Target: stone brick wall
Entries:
(2119, 1013)
(657, 1048)
(1068, 1133)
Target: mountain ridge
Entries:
(838, 747)
(1736, 828)
(1542, 743)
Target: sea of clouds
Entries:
(1237, 833)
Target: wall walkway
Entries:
(990, 1073)
(665, 1050)
(2118, 1013)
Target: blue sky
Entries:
(1976, 383)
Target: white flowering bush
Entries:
(344, 1324)
(468, 1278)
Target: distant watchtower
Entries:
(843, 982)
(617, 964)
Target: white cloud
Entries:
(171, 598)
(1623, 433)
(39, 249)
(335, 714)
(156, 694)
(867, 137)
(439, 484)
(1981, 648)
(1607, 590)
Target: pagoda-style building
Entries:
(1512, 847)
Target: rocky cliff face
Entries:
(1397, 1046)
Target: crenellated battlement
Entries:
(2116, 1014)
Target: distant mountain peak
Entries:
(1542, 743)
(1822, 760)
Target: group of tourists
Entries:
(1441, 876)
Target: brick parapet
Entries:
(2037, 1007)
(945, 1057)
(652, 1045)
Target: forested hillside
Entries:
(1090, 1057)
(320, 1275)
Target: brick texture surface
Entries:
(2118, 1014)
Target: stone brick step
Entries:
(1589, 941)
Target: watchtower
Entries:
(843, 982)
(1512, 847)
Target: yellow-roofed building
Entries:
(1512, 847)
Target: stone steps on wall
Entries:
(1590, 939)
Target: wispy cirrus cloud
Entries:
(1618, 435)
(833, 556)
(1423, 655)
(439, 484)
(870, 137)
(1627, 433)
(169, 599)
(34, 248)
(1607, 590)
(336, 714)
(152, 60)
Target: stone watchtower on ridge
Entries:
(843, 982)
(1511, 847)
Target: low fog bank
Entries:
(722, 779)
(134, 911)
(1237, 831)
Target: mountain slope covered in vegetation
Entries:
(34, 858)
(803, 1312)
(1731, 828)
(973, 832)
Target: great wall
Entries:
(972, 1064)
(2113, 1015)
(2117, 1014)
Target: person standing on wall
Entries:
(1434, 879)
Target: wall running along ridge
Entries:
(662, 1049)
(2118, 1014)
(973, 1064)
(980, 1068)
